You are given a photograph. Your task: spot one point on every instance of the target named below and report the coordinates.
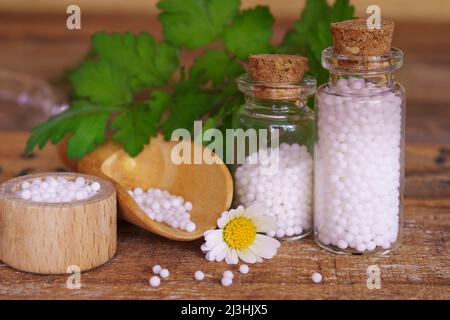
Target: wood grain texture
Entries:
(419, 269)
(47, 238)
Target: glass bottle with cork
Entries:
(359, 147)
(275, 169)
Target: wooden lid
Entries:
(353, 37)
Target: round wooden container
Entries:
(47, 238)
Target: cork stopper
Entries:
(276, 69)
(353, 37)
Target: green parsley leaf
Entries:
(293, 44)
(195, 23)
(136, 124)
(89, 133)
(145, 62)
(78, 116)
(341, 10)
(216, 66)
(102, 83)
(311, 34)
(250, 33)
(189, 104)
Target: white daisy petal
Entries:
(265, 223)
(247, 256)
(222, 252)
(208, 246)
(268, 241)
(264, 246)
(223, 220)
(262, 252)
(204, 248)
(256, 210)
(234, 214)
(209, 256)
(214, 236)
(208, 232)
(216, 253)
(227, 256)
(231, 256)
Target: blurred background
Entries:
(35, 43)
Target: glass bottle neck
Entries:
(376, 80)
(377, 71)
(275, 98)
(277, 110)
(275, 106)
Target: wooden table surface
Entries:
(40, 45)
(420, 268)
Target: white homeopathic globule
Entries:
(316, 277)
(161, 206)
(286, 193)
(199, 275)
(154, 281)
(358, 166)
(52, 189)
(244, 269)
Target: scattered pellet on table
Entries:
(164, 273)
(161, 206)
(244, 269)
(199, 275)
(228, 274)
(58, 189)
(156, 269)
(316, 277)
(155, 281)
(226, 281)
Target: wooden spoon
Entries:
(208, 186)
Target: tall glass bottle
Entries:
(359, 147)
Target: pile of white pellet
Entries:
(285, 192)
(57, 189)
(161, 206)
(357, 166)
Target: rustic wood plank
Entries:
(419, 269)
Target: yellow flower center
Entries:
(239, 233)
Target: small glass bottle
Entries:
(359, 148)
(281, 180)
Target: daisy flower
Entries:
(238, 237)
